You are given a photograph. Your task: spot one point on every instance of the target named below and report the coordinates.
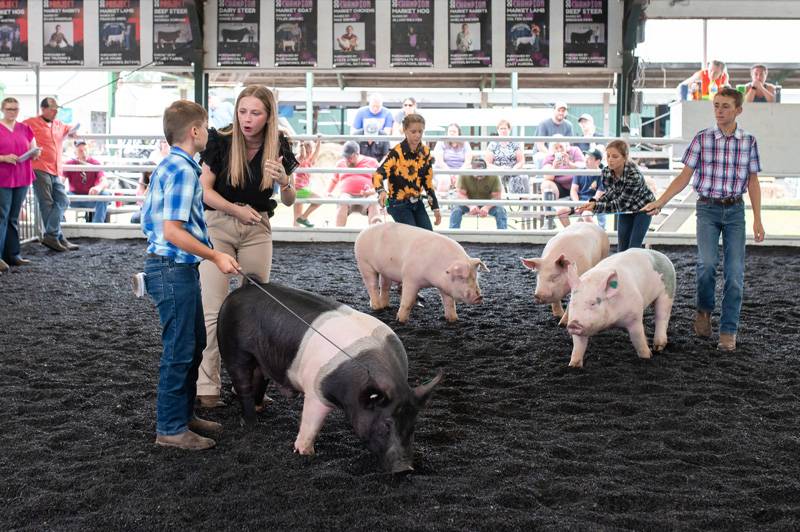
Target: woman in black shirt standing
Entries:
(240, 164)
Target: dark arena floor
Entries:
(513, 438)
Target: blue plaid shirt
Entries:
(175, 193)
(722, 163)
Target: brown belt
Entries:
(733, 200)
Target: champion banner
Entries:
(470, 33)
(527, 33)
(585, 31)
(172, 32)
(62, 23)
(353, 33)
(412, 33)
(295, 33)
(120, 32)
(13, 31)
(238, 30)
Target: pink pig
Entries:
(615, 293)
(417, 258)
(581, 244)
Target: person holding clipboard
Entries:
(17, 147)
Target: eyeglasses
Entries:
(408, 105)
(11, 109)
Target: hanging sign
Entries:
(172, 32)
(412, 33)
(527, 33)
(470, 33)
(13, 31)
(353, 33)
(238, 30)
(62, 24)
(120, 32)
(585, 33)
(295, 33)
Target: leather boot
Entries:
(203, 425)
(210, 401)
(186, 440)
(702, 324)
(52, 243)
(727, 342)
(67, 244)
(3, 266)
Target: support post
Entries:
(309, 103)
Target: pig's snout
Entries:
(574, 327)
(537, 298)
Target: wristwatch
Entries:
(287, 186)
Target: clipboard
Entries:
(28, 154)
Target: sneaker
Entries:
(203, 425)
(52, 243)
(137, 283)
(186, 440)
(303, 221)
(210, 401)
(702, 324)
(727, 342)
(67, 244)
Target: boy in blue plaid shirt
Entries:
(172, 220)
(724, 162)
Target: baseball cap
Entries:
(586, 116)
(595, 153)
(350, 148)
(559, 105)
(79, 142)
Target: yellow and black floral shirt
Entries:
(408, 173)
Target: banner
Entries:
(585, 31)
(62, 23)
(172, 32)
(13, 31)
(237, 32)
(470, 27)
(412, 33)
(120, 32)
(353, 33)
(295, 33)
(527, 33)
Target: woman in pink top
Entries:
(15, 177)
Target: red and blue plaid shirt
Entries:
(722, 163)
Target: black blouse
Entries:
(217, 157)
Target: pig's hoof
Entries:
(659, 347)
(305, 450)
(646, 354)
(564, 320)
(377, 306)
(576, 364)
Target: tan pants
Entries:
(251, 246)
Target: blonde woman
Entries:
(241, 163)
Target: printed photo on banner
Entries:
(117, 35)
(465, 37)
(237, 33)
(58, 36)
(349, 36)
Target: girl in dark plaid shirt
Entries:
(625, 191)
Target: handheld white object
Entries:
(28, 154)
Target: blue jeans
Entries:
(713, 220)
(499, 213)
(11, 200)
(175, 289)
(631, 230)
(53, 201)
(100, 207)
(406, 212)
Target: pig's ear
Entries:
(422, 393)
(612, 284)
(563, 262)
(531, 264)
(457, 270)
(572, 277)
(478, 264)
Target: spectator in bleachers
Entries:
(585, 187)
(479, 187)
(715, 74)
(309, 152)
(372, 118)
(352, 185)
(86, 183)
(588, 129)
(452, 155)
(509, 155)
(409, 108)
(377, 149)
(50, 134)
(155, 157)
(562, 156)
(758, 90)
(16, 176)
(557, 125)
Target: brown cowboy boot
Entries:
(702, 324)
(727, 342)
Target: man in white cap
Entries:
(588, 129)
(558, 125)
